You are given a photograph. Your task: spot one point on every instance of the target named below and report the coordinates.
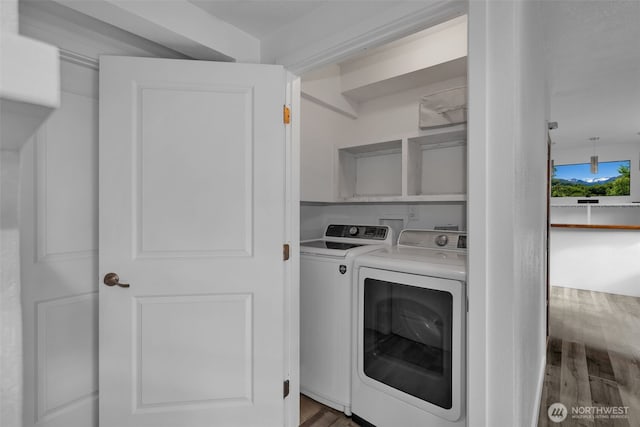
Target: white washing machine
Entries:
(409, 332)
(326, 269)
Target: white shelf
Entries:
(437, 165)
(371, 170)
(427, 166)
(437, 198)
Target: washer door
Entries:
(409, 338)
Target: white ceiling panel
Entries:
(260, 18)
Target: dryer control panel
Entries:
(434, 239)
(369, 232)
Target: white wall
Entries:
(324, 87)
(9, 16)
(321, 130)
(507, 179)
(10, 309)
(9, 165)
(596, 260)
(428, 50)
(630, 151)
(392, 116)
(530, 237)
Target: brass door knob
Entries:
(112, 279)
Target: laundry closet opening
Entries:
(375, 152)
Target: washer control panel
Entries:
(369, 232)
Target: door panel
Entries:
(173, 369)
(192, 208)
(59, 243)
(67, 351)
(66, 177)
(219, 120)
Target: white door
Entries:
(59, 246)
(192, 217)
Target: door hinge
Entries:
(285, 389)
(286, 115)
(285, 252)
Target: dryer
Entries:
(409, 328)
(326, 270)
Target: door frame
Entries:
(548, 235)
(292, 267)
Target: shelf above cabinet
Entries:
(428, 166)
(437, 165)
(372, 170)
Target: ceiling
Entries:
(259, 18)
(286, 26)
(594, 71)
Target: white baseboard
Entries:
(534, 421)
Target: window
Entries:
(576, 180)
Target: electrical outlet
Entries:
(412, 212)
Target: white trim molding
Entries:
(79, 59)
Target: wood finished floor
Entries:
(314, 414)
(593, 356)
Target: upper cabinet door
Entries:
(192, 220)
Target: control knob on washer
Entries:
(353, 231)
(442, 240)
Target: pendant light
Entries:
(594, 158)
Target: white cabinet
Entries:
(596, 214)
(426, 166)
